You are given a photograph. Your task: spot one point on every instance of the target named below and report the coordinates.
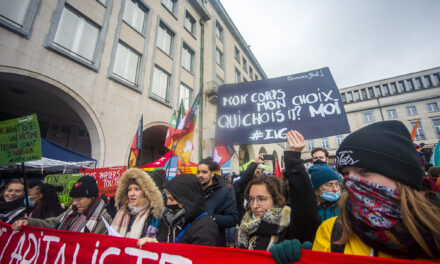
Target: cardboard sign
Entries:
(264, 111)
(107, 179)
(65, 180)
(20, 140)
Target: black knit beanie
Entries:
(85, 187)
(386, 148)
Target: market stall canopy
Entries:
(56, 158)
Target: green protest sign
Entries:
(65, 180)
(20, 140)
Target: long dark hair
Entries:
(50, 205)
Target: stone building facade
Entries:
(91, 68)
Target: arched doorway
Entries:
(262, 150)
(153, 139)
(63, 116)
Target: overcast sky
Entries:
(359, 40)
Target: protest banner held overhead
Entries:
(65, 180)
(106, 178)
(20, 140)
(264, 111)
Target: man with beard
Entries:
(220, 203)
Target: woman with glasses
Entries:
(86, 214)
(266, 222)
(327, 185)
(269, 221)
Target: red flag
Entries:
(278, 170)
(221, 154)
(136, 145)
(187, 124)
(185, 132)
(414, 130)
(171, 128)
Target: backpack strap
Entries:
(335, 236)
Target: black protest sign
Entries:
(264, 111)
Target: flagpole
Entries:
(238, 157)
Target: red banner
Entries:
(40, 245)
(107, 178)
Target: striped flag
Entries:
(136, 146)
(222, 154)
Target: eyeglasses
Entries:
(77, 199)
(330, 185)
(259, 199)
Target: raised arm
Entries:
(304, 215)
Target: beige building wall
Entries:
(83, 93)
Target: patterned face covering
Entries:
(371, 203)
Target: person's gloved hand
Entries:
(289, 251)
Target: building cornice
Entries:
(429, 97)
(231, 26)
(390, 79)
(200, 7)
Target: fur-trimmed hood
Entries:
(148, 186)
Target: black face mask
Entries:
(173, 207)
(174, 218)
(317, 162)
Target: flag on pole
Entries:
(414, 130)
(171, 128)
(175, 119)
(136, 146)
(222, 154)
(278, 170)
(435, 157)
(184, 134)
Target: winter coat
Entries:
(220, 204)
(328, 210)
(54, 222)
(262, 233)
(354, 245)
(152, 193)
(12, 211)
(201, 228)
(304, 219)
(240, 186)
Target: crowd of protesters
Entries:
(376, 202)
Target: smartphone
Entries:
(268, 157)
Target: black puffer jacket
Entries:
(201, 230)
(240, 186)
(304, 218)
(220, 204)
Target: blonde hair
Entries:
(418, 213)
